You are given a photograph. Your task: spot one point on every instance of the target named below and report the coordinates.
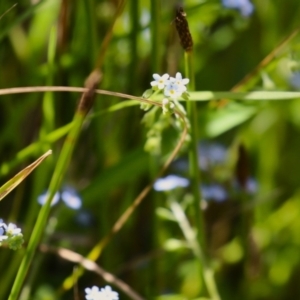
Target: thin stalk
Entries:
(193, 153)
(62, 164)
(155, 35)
(91, 24)
(55, 183)
(98, 248)
(196, 181)
(135, 25)
(190, 236)
(154, 159)
(48, 109)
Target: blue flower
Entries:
(68, 195)
(295, 80)
(250, 188)
(245, 7)
(43, 198)
(84, 218)
(170, 182)
(12, 229)
(3, 230)
(214, 192)
(71, 198)
(211, 154)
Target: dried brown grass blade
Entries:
(17, 179)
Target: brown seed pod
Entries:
(183, 30)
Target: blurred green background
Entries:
(253, 235)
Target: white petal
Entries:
(156, 77)
(178, 76)
(165, 76)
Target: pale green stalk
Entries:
(196, 183)
(61, 166)
(193, 153)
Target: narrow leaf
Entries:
(17, 179)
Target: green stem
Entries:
(155, 35)
(193, 153)
(61, 166)
(196, 182)
(153, 159)
(135, 25)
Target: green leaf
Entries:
(17, 179)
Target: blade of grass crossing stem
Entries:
(60, 169)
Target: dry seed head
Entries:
(183, 30)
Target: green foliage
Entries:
(252, 240)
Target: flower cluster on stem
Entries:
(10, 235)
(173, 88)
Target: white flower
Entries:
(160, 81)
(105, 293)
(173, 90)
(92, 293)
(170, 183)
(181, 83)
(12, 230)
(108, 294)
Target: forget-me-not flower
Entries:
(3, 229)
(211, 154)
(108, 293)
(71, 198)
(180, 82)
(68, 195)
(214, 192)
(11, 235)
(92, 293)
(170, 182)
(295, 80)
(245, 7)
(105, 293)
(43, 198)
(12, 229)
(160, 81)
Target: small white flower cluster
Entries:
(105, 293)
(173, 88)
(10, 235)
